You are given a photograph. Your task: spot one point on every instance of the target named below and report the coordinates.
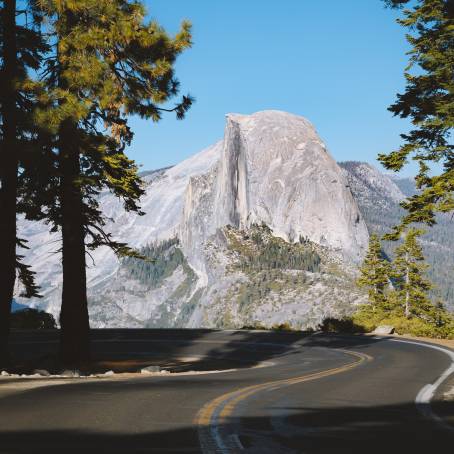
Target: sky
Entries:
(337, 63)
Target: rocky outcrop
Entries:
(274, 169)
(271, 168)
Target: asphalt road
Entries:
(292, 393)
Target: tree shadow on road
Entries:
(123, 350)
(251, 348)
(129, 350)
(176, 350)
(340, 429)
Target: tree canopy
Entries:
(409, 270)
(374, 273)
(23, 48)
(428, 101)
(100, 62)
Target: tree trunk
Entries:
(75, 328)
(407, 288)
(74, 321)
(8, 176)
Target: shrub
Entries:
(344, 325)
(254, 326)
(441, 327)
(282, 327)
(32, 319)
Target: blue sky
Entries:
(338, 63)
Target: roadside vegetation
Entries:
(32, 319)
(398, 292)
(382, 214)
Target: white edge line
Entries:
(214, 430)
(425, 395)
(237, 440)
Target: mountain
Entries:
(378, 197)
(259, 228)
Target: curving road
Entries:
(293, 393)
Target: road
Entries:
(293, 393)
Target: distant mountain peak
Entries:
(366, 178)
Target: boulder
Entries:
(70, 373)
(150, 370)
(384, 330)
(41, 372)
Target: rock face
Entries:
(271, 168)
(274, 169)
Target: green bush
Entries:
(282, 327)
(32, 319)
(344, 325)
(440, 326)
(367, 318)
(255, 326)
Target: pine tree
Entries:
(428, 100)
(374, 273)
(21, 53)
(106, 64)
(409, 273)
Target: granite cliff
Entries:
(260, 228)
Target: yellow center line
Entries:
(217, 411)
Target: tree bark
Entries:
(74, 321)
(8, 176)
(407, 287)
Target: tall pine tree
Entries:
(409, 273)
(106, 64)
(21, 54)
(428, 101)
(374, 273)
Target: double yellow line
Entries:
(215, 413)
